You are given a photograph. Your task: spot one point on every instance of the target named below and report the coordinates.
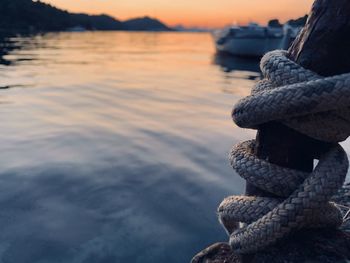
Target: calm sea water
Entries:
(114, 145)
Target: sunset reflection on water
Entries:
(114, 145)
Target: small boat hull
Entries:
(253, 40)
(249, 47)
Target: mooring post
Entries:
(323, 46)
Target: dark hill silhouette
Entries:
(26, 15)
(145, 23)
(96, 22)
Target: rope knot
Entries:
(301, 99)
(313, 105)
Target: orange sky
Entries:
(205, 13)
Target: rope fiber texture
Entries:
(313, 105)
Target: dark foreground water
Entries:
(114, 146)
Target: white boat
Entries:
(253, 40)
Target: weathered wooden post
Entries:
(323, 47)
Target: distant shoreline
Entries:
(26, 16)
(6, 34)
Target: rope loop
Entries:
(313, 105)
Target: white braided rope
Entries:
(313, 105)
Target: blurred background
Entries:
(115, 129)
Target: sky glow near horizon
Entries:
(204, 13)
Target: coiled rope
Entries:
(313, 105)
